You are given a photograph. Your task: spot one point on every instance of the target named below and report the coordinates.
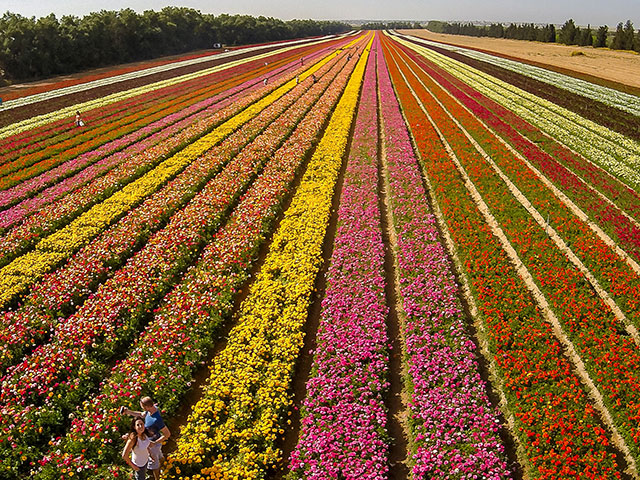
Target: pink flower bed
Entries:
(453, 425)
(343, 432)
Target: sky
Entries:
(594, 12)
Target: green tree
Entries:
(601, 37)
(629, 36)
(586, 37)
(618, 42)
(568, 33)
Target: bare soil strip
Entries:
(397, 397)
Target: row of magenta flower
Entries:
(58, 374)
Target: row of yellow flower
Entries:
(25, 270)
(70, 111)
(233, 429)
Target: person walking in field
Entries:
(79, 121)
(159, 432)
(137, 450)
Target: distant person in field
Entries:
(264, 81)
(159, 432)
(137, 451)
(79, 121)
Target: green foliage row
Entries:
(625, 38)
(34, 48)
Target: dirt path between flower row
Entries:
(397, 399)
(612, 68)
(550, 317)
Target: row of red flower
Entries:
(558, 429)
(559, 165)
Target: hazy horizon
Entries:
(505, 11)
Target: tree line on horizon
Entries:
(624, 38)
(33, 48)
(394, 25)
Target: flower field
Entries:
(352, 257)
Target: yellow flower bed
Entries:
(233, 429)
(25, 270)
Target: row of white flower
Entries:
(610, 150)
(609, 96)
(118, 96)
(18, 102)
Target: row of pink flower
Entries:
(185, 325)
(62, 291)
(54, 215)
(151, 106)
(454, 427)
(608, 216)
(343, 431)
(115, 152)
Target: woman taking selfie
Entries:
(136, 450)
